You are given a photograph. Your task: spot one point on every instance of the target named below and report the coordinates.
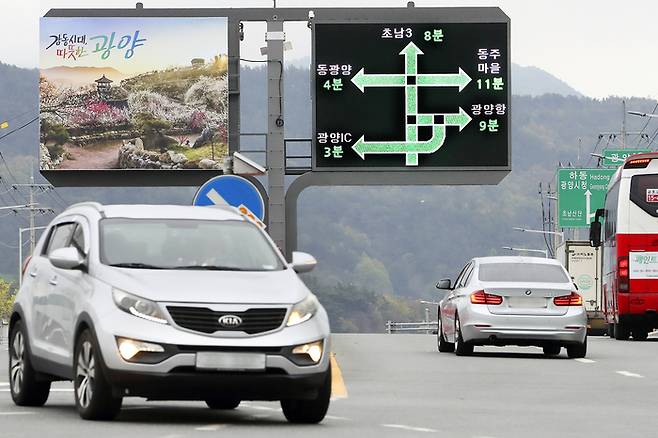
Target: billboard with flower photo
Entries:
(133, 93)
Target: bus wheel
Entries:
(640, 334)
(622, 332)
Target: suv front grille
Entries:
(204, 320)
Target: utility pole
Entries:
(32, 231)
(33, 207)
(623, 125)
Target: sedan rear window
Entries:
(522, 272)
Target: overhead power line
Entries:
(19, 128)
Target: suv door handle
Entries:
(53, 281)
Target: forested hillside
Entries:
(380, 249)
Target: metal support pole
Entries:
(20, 257)
(275, 135)
(32, 213)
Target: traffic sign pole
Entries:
(275, 134)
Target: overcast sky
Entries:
(600, 47)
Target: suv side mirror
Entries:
(444, 284)
(595, 229)
(67, 258)
(302, 262)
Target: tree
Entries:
(150, 125)
(56, 101)
(54, 132)
(7, 296)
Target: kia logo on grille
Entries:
(528, 292)
(230, 321)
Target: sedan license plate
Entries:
(230, 361)
(527, 302)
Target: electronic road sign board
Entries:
(404, 96)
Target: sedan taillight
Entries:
(481, 297)
(568, 300)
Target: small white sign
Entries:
(644, 265)
(652, 195)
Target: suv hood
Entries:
(221, 287)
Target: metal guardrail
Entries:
(427, 327)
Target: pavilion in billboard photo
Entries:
(114, 95)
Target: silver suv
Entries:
(167, 303)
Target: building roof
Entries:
(103, 80)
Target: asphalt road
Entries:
(398, 385)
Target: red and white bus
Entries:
(630, 248)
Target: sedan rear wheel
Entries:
(443, 345)
(552, 350)
(577, 351)
(461, 348)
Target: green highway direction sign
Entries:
(403, 96)
(616, 157)
(580, 192)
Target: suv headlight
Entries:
(303, 311)
(138, 306)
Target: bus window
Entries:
(644, 193)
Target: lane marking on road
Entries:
(334, 417)
(17, 413)
(51, 390)
(410, 428)
(585, 360)
(4, 384)
(210, 427)
(629, 374)
(261, 408)
(338, 388)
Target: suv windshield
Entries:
(522, 272)
(186, 244)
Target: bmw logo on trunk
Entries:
(230, 321)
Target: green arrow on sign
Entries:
(362, 80)
(411, 52)
(461, 80)
(462, 119)
(362, 147)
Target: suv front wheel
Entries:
(26, 389)
(93, 393)
(309, 411)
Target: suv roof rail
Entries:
(95, 205)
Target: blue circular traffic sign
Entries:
(232, 190)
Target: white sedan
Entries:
(512, 301)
